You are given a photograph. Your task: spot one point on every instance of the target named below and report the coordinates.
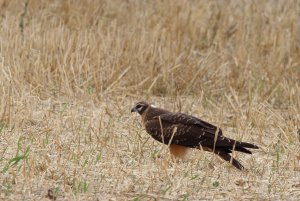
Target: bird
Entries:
(182, 131)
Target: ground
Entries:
(72, 70)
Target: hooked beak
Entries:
(133, 110)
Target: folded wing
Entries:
(196, 133)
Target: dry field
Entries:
(71, 70)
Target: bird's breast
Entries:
(153, 129)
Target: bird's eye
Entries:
(139, 106)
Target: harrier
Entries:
(181, 131)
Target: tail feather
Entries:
(227, 143)
(229, 149)
(242, 149)
(230, 143)
(246, 145)
(229, 158)
(237, 146)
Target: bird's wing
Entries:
(188, 120)
(192, 132)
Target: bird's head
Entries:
(140, 107)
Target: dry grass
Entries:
(70, 71)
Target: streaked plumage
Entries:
(182, 131)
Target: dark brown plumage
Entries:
(182, 131)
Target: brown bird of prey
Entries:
(181, 131)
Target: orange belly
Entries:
(178, 151)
